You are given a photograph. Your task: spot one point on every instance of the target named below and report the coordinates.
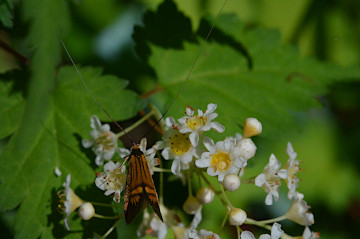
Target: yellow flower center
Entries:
(196, 122)
(221, 161)
(180, 143)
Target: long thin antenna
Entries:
(92, 96)
(190, 71)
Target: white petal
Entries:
(187, 158)
(221, 177)
(167, 154)
(170, 121)
(158, 145)
(123, 152)
(108, 192)
(283, 173)
(209, 144)
(247, 235)
(238, 136)
(260, 180)
(211, 116)
(185, 130)
(211, 171)
(105, 128)
(211, 108)
(67, 225)
(175, 167)
(99, 182)
(189, 111)
(276, 231)
(202, 163)
(143, 144)
(108, 154)
(194, 138)
(290, 151)
(57, 171)
(99, 160)
(268, 199)
(95, 134)
(95, 122)
(110, 166)
(87, 143)
(228, 145)
(197, 219)
(182, 120)
(265, 236)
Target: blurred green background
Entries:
(100, 34)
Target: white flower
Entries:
(292, 167)
(308, 234)
(104, 142)
(203, 234)
(112, 181)
(299, 213)
(152, 225)
(148, 153)
(276, 233)
(270, 179)
(177, 146)
(222, 158)
(69, 201)
(194, 124)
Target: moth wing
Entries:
(140, 189)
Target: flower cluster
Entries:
(69, 202)
(270, 178)
(184, 141)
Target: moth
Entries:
(140, 190)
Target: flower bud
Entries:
(237, 217)
(252, 127)
(191, 205)
(231, 182)
(299, 213)
(246, 147)
(86, 211)
(205, 195)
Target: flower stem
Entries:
(248, 181)
(111, 228)
(276, 219)
(101, 204)
(257, 223)
(212, 187)
(238, 229)
(189, 183)
(161, 170)
(225, 196)
(106, 217)
(136, 124)
(161, 192)
(224, 220)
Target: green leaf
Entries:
(11, 108)
(6, 17)
(59, 145)
(247, 74)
